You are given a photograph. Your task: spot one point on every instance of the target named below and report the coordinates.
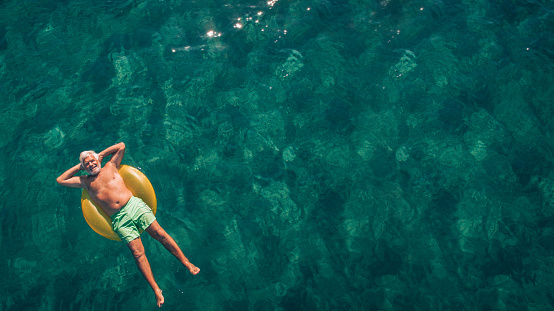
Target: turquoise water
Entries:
(306, 155)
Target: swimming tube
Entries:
(139, 185)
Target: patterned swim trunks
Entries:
(132, 219)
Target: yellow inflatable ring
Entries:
(139, 185)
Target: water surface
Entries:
(306, 155)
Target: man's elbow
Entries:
(61, 180)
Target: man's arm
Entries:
(67, 179)
(118, 151)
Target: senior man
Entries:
(129, 214)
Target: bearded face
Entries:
(91, 165)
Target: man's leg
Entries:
(137, 249)
(158, 233)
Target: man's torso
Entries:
(108, 189)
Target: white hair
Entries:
(85, 154)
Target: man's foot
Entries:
(159, 297)
(192, 268)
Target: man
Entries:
(128, 213)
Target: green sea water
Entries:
(306, 155)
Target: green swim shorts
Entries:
(132, 219)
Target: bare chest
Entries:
(106, 182)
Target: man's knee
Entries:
(160, 235)
(157, 232)
(137, 253)
(136, 249)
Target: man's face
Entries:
(92, 166)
